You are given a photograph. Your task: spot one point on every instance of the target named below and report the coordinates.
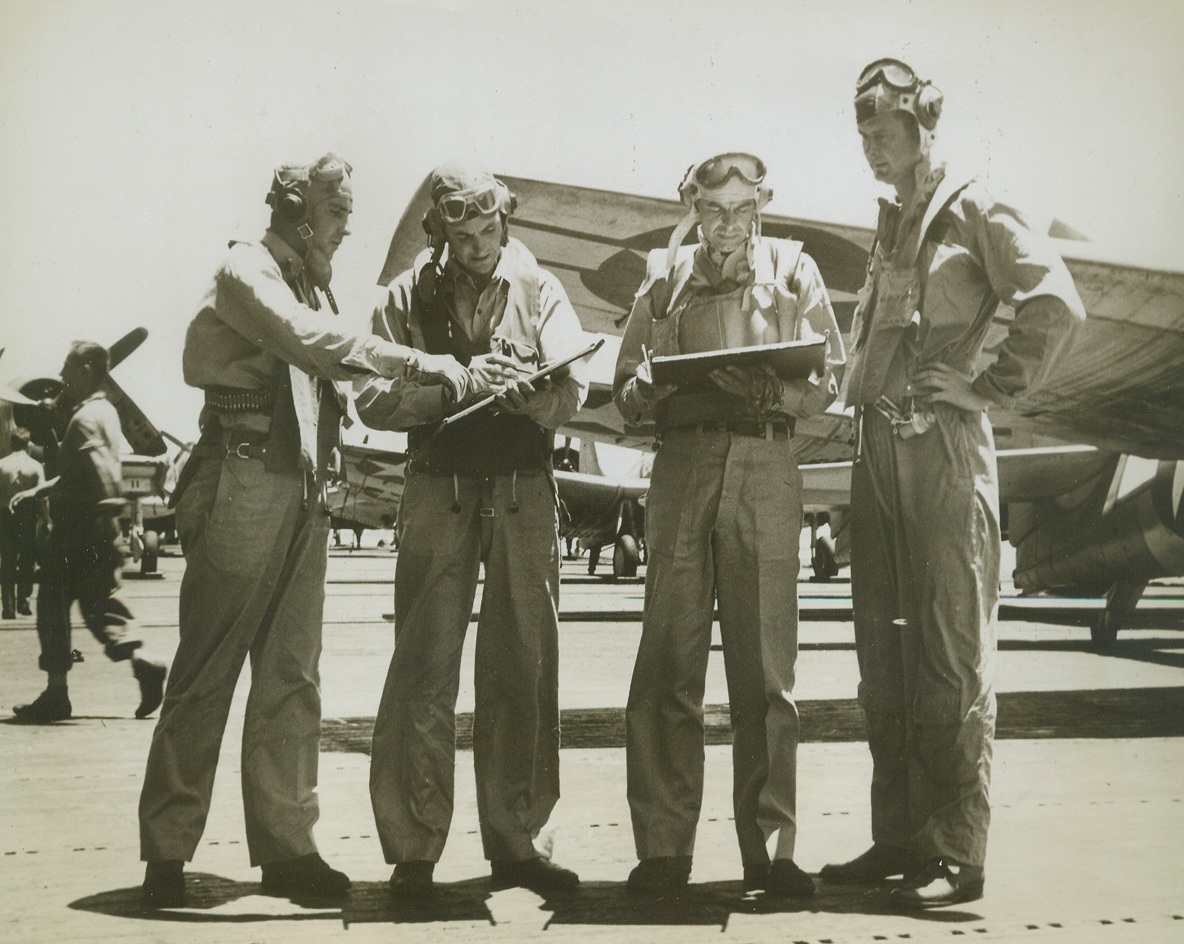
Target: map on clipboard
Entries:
(792, 360)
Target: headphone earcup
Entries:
(285, 200)
(929, 101)
(432, 226)
(290, 204)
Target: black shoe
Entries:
(7, 614)
(786, 880)
(538, 874)
(781, 878)
(942, 882)
(659, 876)
(877, 864)
(308, 876)
(51, 705)
(151, 677)
(164, 884)
(413, 879)
(22, 607)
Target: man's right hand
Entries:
(644, 387)
(439, 369)
(490, 373)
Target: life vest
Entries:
(484, 442)
(764, 310)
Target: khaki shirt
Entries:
(260, 317)
(89, 466)
(479, 314)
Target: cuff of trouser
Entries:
(55, 665)
(122, 651)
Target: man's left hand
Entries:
(518, 393)
(943, 384)
(760, 386)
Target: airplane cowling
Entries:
(1138, 537)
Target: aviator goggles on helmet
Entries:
(891, 72)
(455, 207)
(890, 85)
(716, 171)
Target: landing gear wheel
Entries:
(823, 560)
(150, 554)
(626, 556)
(1103, 629)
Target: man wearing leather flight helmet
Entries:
(924, 493)
(723, 520)
(478, 491)
(254, 526)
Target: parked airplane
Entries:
(594, 509)
(1091, 466)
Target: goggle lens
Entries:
(892, 72)
(455, 207)
(716, 171)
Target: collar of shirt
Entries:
(465, 297)
(97, 395)
(896, 219)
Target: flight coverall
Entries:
(723, 522)
(81, 560)
(480, 492)
(925, 539)
(254, 528)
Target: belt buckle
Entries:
(237, 451)
(488, 513)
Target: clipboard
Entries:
(792, 360)
(541, 373)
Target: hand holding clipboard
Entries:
(540, 374)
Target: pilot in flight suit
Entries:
(480, 491)
(723, 522)
(924, 488)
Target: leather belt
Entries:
(231, 445)
(780, 429)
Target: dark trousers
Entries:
(81, 563)
(18, 552)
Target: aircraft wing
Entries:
(1120, 388)
(1025, 475)
(596, 243)
(371, 487)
